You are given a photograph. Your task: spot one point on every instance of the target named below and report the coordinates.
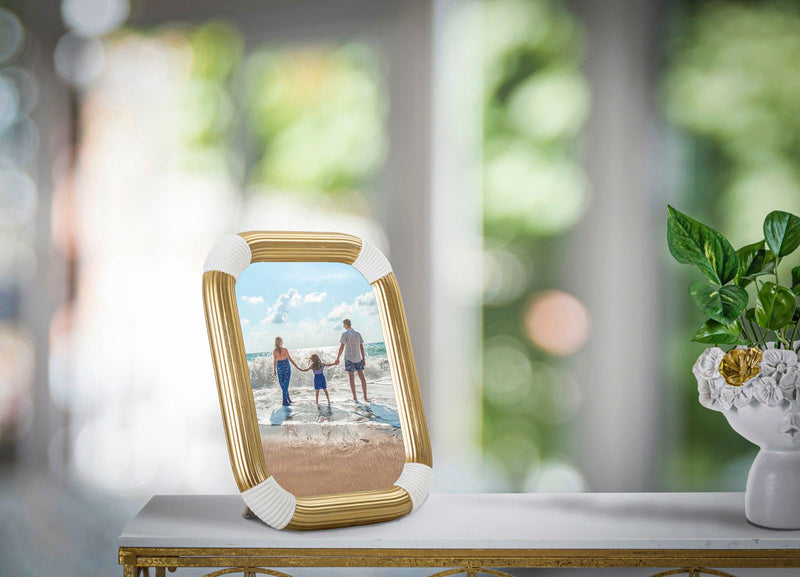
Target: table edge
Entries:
(352, 557)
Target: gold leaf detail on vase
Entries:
(740, 365)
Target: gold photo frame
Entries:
(262, 494)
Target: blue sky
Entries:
(303, 302)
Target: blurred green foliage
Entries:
(733, 83)
(736, 80)
(305, 118)
(536, 100)
(317, 116)
(732, 88)
(207, 108)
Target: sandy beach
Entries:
(307, 467)
(323, 449)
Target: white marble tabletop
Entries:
(483, 521)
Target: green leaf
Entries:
(769, 268)
(718, 333)
(692, 242)
(782, 232)
(750, 315)
(723, 304)
(775, 306)
(796, 280)
(754, 260)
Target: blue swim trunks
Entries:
(352, 367)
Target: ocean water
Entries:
(345, 420)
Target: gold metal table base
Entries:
(470, 562)
(467, 571)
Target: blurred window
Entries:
(315, 133)
(184, 138)
(19, 197)
(732, 95)
(536, 101)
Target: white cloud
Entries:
(315, 297)
(279, 312)
(253, 300)
(363, 304)
(367, 300)
(340, 311)
(366, 303)
(245, 321)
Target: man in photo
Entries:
(353, 346)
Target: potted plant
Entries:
(750, 372)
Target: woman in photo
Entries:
(320, 383)
(283, 371)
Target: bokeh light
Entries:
(557, 322)
(509, 375)
(557, 395)
(318, 114)
(529, 192)
(506, 272)
(12, 35)
(550, 105)
(555, 477)
(94, 17)
(78, 60)
(9, 103)
(26, 87)
(774, 185)
(20, 142)
(17, 197)
(514, 443)
(217, 49)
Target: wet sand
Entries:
(305, 467)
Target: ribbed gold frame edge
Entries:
(236, 396)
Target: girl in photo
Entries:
(318, 367)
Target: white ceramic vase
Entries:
(772, 497)
(765, 410)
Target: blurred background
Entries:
(513, 158)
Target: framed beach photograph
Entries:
(320, 376)
(318, 389)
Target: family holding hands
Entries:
(351, 344)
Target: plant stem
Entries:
(781, 336)
(794, 332)
(760, 337)
(757, 332)
(747, 337)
